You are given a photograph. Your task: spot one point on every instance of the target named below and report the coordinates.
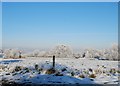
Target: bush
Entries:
(81, 76)
(50, 71)
(36, 66)
(64, 69)
(27, 70)
(72, 73)
(118, 71)
(113, 71)
(18, 68)
(92, 76)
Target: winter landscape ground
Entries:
(39, 70)
(88, 67)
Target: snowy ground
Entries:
(67, 71)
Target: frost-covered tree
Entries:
(12, 53)
(7, 53)
(42, 54)
(89, 53)
(62, 51)
(30, 54)
(45, 54)
(1, 51)
(77, 55)
(114, 52)
(36, 53)
(110, 53)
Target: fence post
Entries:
(20, 54)
(54, 62)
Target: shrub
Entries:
(72, 73)
(92, 76)
(113, 71)
(118, 71)
(18, 68)
(36, 66)
(27, 70)
(50, 71)
(40, 69)
(64, 69)
(90, 70)
(7, 73)
(81, 76)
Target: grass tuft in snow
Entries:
(92, 76)
(36, 66)
(17, 68)
(50, 71)
(81, 76)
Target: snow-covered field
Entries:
(36, 70)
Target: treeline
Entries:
(63, 51)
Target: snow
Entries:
(68, 70)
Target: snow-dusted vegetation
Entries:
(63, 51)
(35, 70)
(12, 53)
(90, 66)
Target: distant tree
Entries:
(89, 53)
(36, 53)
(12, 53)
(62, 51)
(42, 54)
(1, 51)
(114, 52)
(110, 53)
